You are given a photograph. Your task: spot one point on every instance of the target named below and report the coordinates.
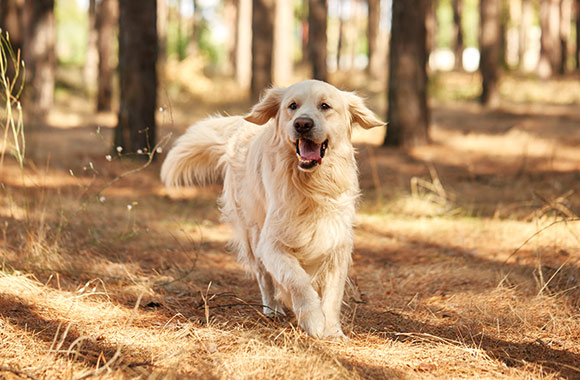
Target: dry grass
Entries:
(463, 264)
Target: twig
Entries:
(204, 303)
(117, 356)
(163, 141)
(251, 305)
(18, 372)
(537, 233)
(552, 277)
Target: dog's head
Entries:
(313, 117)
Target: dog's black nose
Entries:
(303, 124)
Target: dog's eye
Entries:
(293, 106)
(325, 106)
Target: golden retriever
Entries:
(290, 187)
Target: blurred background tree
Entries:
(136, 129)
(408, 113)
(259, 43)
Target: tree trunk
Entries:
(555, 55)
(544, 64)
(504, 19)
(90, 70)
(458, 44)
(431, 26)
(578, 35)
(11, 21)
(317, 40)
(262, 46)
(283, 40)
(138, 77)
(489, 42)
(565, 20)
(196, 23)
(230, 14)
(549, 42)
(40, 58)
(374, 19)
(244, 44)
(525, 25)
(107, 16)
(408, 114)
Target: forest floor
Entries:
(466, 260)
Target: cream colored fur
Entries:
(293, 228)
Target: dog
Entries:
(290, 187)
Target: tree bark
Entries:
(408, 113)
(40, 58)
(489, 42)
(262, 46)
(107, 16)
(458, 44)
(138, 77)
(317, 40)
(374, 19)
(244, 44)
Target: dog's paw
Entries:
(274, 311)
(313, 322)
(335, 334)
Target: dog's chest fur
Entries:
(309, 214)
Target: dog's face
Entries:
(314, 118)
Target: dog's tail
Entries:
(198, 157)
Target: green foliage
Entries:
(71, 32)
(444, 14)
(469, 21)
(216, 54)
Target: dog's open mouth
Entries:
(310, 153)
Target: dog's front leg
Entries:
(289, 274)
(332, 294)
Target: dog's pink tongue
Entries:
(310, 150)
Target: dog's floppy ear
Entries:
(267, 107)
(360, 114)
